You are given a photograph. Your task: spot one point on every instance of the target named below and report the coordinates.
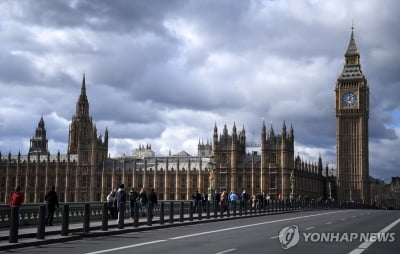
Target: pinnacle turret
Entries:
(352, 49)
(82, 105)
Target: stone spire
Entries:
(352, 68)
(38, 143)
(225, 131)
(82, 105)
(352, 49)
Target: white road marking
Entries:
(309, 228)
(225, 251)
(329, 222)
(274, 237)
(126, 247)
(354, 216)
(210, 232)
(362, 247)
(250, 225)
(343, 219)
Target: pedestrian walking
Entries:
(17, 197)
(204, 200)
(16, 200)
(133, 197)
(196, 198)
(233, 197)
(152, 202)
(143, 201)
(244, 198)
(120, 197)
(52, 202)
(224, 200)
(110, 203)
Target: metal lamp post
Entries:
(211, 178)
(330, 190)
(291, 179)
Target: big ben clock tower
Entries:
(352, 112)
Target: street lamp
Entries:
(330, 190)
(211, 178)
(291, 179)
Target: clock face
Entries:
(349, 99)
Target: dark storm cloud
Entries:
(115, 16)
(164, 72)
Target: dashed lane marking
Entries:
(225, 251)
(126, 247)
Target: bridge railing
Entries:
(29, 213)
(34, 214)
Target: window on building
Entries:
(72, 181)
(140, 181)
(273, 158)
(171, 182)
(273, 181)
(240, 182)
(194, 181)
(84, 180)
(150, 180)
(183, 181)
(161, 181)
(248, 180)
(108, 181)
(224, 181)
(98, 181)
(224, 158)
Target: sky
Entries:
(165, 72)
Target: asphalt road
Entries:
(342, 228)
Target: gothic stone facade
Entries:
(269, 171)
(352, 113)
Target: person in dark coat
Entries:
(196, 199)
(133, 197)
(52, 201)
(152, 201)
(143, 201)
(204, 200)
(120, 197)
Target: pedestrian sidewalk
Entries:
(27, 236)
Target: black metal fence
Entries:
(161, 213)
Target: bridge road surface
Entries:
(247, 235)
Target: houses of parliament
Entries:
(86, 173)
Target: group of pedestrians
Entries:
(145, 202)
(114, 199)
(225, 200)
